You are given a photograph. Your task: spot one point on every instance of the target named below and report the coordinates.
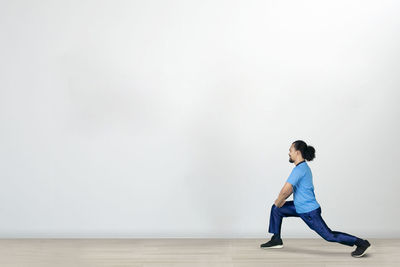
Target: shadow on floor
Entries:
(319, 252)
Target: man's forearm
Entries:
(281, 199)
(286, 191)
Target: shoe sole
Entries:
(359, 256)
(278, 246)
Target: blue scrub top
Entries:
(303, 189)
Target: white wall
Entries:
(174, 118)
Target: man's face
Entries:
(292, 154)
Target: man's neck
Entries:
(296, 162)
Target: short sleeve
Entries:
(294, 176)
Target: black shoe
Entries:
(361, 249)
(273, 243)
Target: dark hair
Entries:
(308, 152)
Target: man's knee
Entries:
(329, 236)
(274, 208)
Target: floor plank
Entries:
(180, 252)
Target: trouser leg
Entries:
(277, 214)
(314, 220)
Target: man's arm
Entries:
(286, 191)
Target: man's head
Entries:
(300, 151)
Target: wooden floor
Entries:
(184, 252)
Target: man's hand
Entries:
(286, 191)
(279, 203)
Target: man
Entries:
(304, 204)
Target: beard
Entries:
(290, 160)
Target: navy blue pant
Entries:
(313, 219)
